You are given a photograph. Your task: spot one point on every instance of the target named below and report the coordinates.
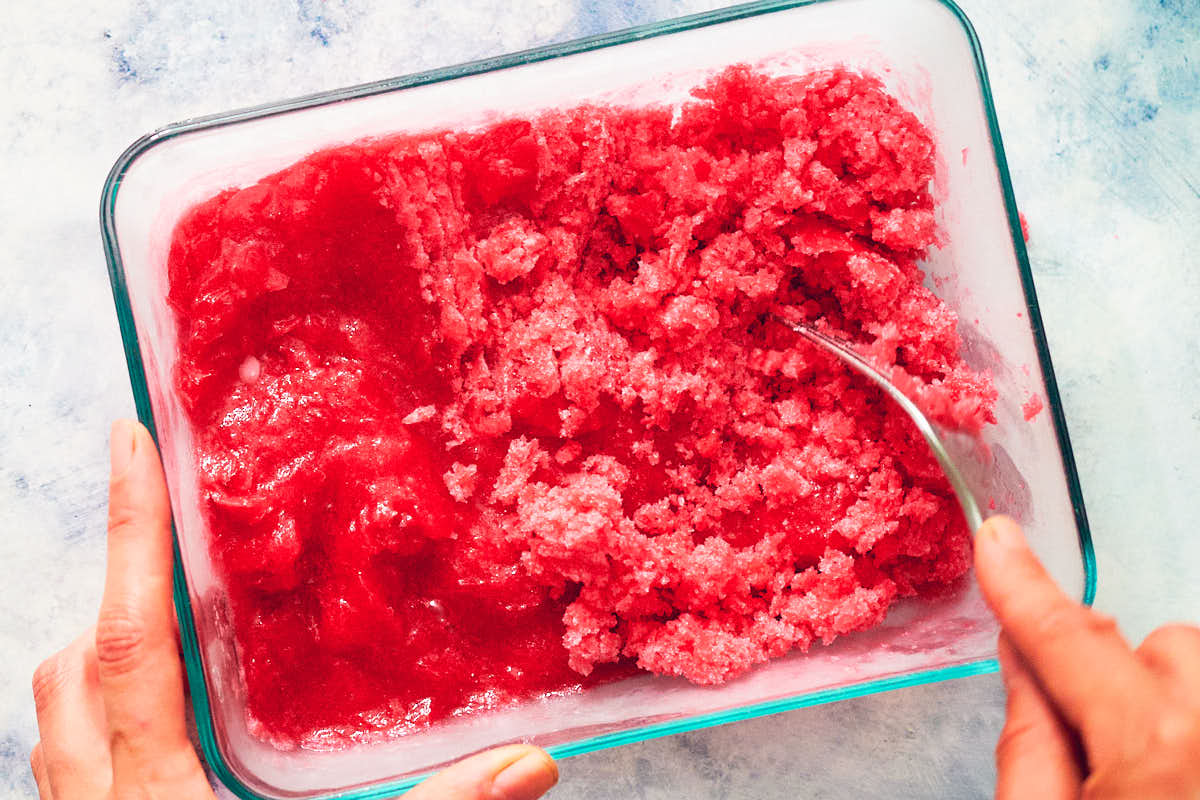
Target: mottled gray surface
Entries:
(1099, 104)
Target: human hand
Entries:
(110, 707)
(1087, 714)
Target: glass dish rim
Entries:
(197, 681)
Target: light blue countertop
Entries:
(1099, 105)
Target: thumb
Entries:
(515, 772)
(140, 675)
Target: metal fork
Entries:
(966, 499)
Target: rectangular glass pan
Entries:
(927, 55)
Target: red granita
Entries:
(483, 415)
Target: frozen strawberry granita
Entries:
(485, 415)
(1032, 407)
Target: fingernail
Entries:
(121, 443)
(529, 777)
(1005, 533)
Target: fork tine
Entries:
(966, 499)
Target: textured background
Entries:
(1100, 108)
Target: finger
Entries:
(1076, 654)
(141, 678)
(70, 714)
(37, 764)
(1036, 756)
(1173, 651)
(515, 772)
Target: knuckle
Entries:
(49, 679)
(122, 519)
(1060, 620)
(120, 640)
(1177, 730)
(1100, 624)
(1067, 621)
(179, 768)
(1015, 739)
(1172, 638)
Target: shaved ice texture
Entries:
(487, 414)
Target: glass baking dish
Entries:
(927, 54)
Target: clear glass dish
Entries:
(927, 54)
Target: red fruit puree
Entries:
(484, 415)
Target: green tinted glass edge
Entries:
(195, 673)
(1035, 313)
